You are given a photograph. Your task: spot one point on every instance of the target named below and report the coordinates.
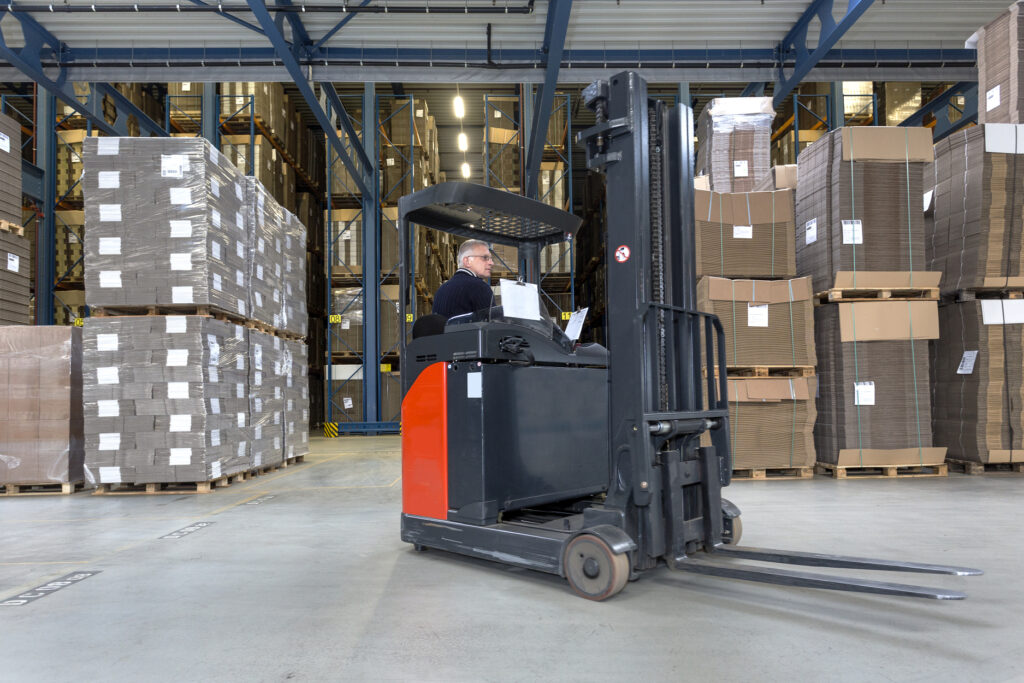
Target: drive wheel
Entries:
(732, 530)
(593, 570)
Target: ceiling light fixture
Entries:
(463, 142)
(465, 170)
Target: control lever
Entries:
(516, 346)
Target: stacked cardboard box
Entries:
(267, 102)
(267, 374)
(186, 99)
(296, 395)
(10, 170)
(976, 227)
(295, 319)
(41, 405)
(999, 68)
(165, 399)
(734, 139)
(70, 265)
(164, 225)
(15, 284)
(745, 234)
(978, 382)
(69, 164)
(346, 236)
(347, 330)
(266, 227)
(242, 150)
(346, 393)
(778, 178)
(858, 204)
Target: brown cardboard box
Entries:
(766, 322)
(778, 178)
(745, 234)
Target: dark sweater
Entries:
(464, 293)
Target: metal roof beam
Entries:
(300, 37)
(340, 25)
(939, 108)
(555, 28)
(755, 89)
(794, 45)
(291, 63)
(126, 107)
(230, 17)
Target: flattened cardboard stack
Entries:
(745, 234)
(165, 399)
(296, 395)
(778, 178)
(734, 138)
(41, 405)
(999, 68)
(266, 226)
(266, 398)
(296, 319)
(977, 236)
(15, 284)
(978, 376)
(10, 170)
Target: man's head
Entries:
(475, 256)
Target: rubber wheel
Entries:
(593, 570)
(733, 538)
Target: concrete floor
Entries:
(314, 584)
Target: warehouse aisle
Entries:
(301, 575)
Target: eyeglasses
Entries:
(485, 257)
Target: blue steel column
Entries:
(371, 258)
(46, 229)
(210, 114)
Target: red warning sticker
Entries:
(622, 254)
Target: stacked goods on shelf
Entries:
(186, 99)
(68, 305)
(296, 396)
(734, 138)
(346, 236)
(265, 225)
(165, 399)
(41, 406)
(347, 328)
(745, 234)
(265, 101)
(164, 225)
(70, 230)
(778, 178)
(502, 143)
(860, 232)
(243, 150)
(345, 393)
(999, 68)
(69, 164)
(295, 318)
(307, 210)
(15, 284)
(266, 400)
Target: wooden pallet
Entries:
(848, 294)
(771, 473)
(171, 488)
(963, 295)
(971, 467)
(881, 471)
(171, 309)
(766, 371)
(294, 460)
(45, 489)
(8, 226)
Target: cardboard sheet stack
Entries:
(41, 405)
(266, 398)
(734, 138)
(296, 395)
(15, 283)
(860, 225)
(745, 234)
(999, 68)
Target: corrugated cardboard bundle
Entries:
(265, 428)
(15, 283)
(977, 234)
(346, 236)
(40, 405)
(858, 204)
(999, 68)
(766, 322)
(734, 138)
(778, 178)
(745, 234)
(978, 380)
(10, 169)
(296, 395)
(874, 397)
(771, 421)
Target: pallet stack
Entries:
(734, 142)
(15, 284)
(860, 237)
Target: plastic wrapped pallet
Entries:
(165, 399)
(266, 226)
(15, 281)
(267, 375)
(165, 225)
(296, 395)
(977, 235)
(40, 405)
(734, 140)
(345, 393)
(295, 318)
(999, 68)
(978, 380)
(745, 234)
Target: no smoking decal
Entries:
(622, 254)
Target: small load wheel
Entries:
(593, 570)
(732, 530)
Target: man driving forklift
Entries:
(469, 289)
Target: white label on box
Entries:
(277, 245)
(181, 423)
(239, 363)
(177, 358)
(239, 278)
(181, 295)
(215, 218)
(238, 192)
(177, 390)
(110, 213)
(239, 333)
(257, 378)
(13, 262)
(176, 324)
(73, 238)
(215, 469)
(992, 98)
(277, 296)
(259, 299)
(240, 249)
(240, 390)
(110, 408)
(109, 180)
(346, 234)
(277, 393)
(240, 419)
(1002, 311)
(757, 315)
(261, 245)
(241, 449)
(239, 221)
(740, 169)
(5, 142)
(863, 393)
(110, 279)
(390, 161)
(107, 146)
(215, 250)
(217, 284)
(181, 195)
(743, 232)
(185, 87)
(181, 261)
(853, 232)
(291, 404)
(257, 432)
(419, 113)
(110, 441)
(257, 353)
(967, 363)
(106, 342)
(811, 231)
(277, 442)
(259, 271)
(347, 402)
(214, 437)
(215, 406)
(180, 456)
(173, 166)
(110, 246)
(277, 269)
(213, 375)
(215, 187)
(214, 351)
(110, 475)
(181, 228)
(927, 197)
(107, 375)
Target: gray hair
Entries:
(470, 245)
